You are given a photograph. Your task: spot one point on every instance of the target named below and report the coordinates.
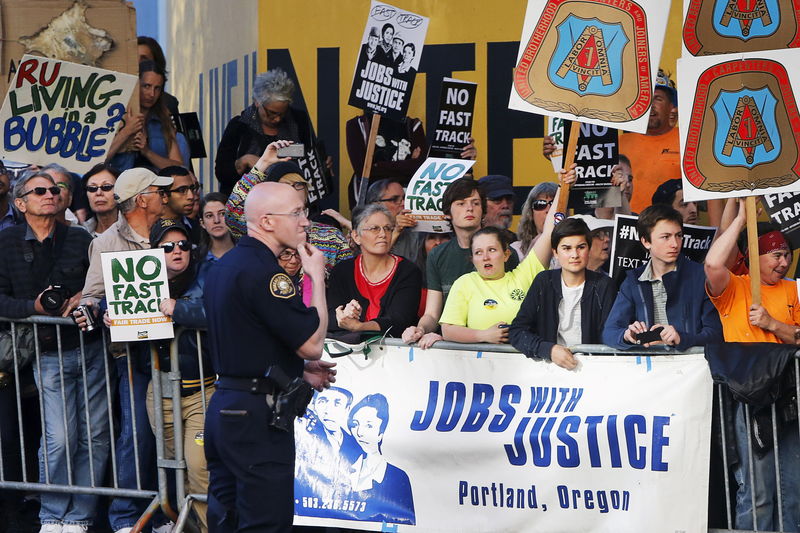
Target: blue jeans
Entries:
(124, 512)
(766, 498)
(70, 442)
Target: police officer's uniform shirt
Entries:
(256, 318)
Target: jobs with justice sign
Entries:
(590, 60)
(388, 60)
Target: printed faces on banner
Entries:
(57, 111)
(425, 190)
(738, 125)
(594, 61)
(734, 26)
(136, 284)
(454, 121)
(388, 60)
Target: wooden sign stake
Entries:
(752, 249)
(569, 158)
(363, 182)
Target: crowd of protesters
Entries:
(542, 289)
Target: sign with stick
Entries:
(57, 111)
(739, 125)
(388, 60)
(454, 121)
(590, 60)
(596, 154)
(425, 190)
(732, 26)
(136, 284)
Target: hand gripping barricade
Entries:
(749, 442)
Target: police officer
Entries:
(256, 320)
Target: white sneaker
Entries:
(123, 530)
(74, 528)
(50, 528)
(166, 528)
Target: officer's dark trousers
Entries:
(250, 466)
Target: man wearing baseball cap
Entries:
(671, 193)
(140, 197)
(499, 200)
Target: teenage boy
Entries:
(565, 306)
(668, 292)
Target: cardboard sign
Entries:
(739, 124)
(594, 61)
(136, 283)
(555, 129)
(313, 168)
(627, 251)
(596, 155)
(454, 121)
(784, 210)
(730, 26)
(388, 60)
(425, 190)
(63, 112)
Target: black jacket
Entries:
(535, 328)
(398, 306)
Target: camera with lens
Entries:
(53, 298)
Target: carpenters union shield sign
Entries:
(742, 129)
(726, 26)
(588, 56)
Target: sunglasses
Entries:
(541, 205)
(94, 188)
(41, 191)
(169, 246)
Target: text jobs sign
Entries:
(627, 251)
(425, 190)
(136, 283)
(454, 121)
(57, 111)
(414, 437)
(590, 60)
(388, 60)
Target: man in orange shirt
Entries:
(777, 320)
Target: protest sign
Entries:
(555, 129)
(425, 190)
(135, 284)
(596, 155)
(56, 111)
(594, 61)
(454, 121)
(313, 168)
(784, 210)
(487, 441)
(388, 60)
(732, 26)
(628, 252)
(739, 124)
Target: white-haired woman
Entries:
(534, 213)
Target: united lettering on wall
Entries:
(740, 135)
(729, 26)
(588, 58)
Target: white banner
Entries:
(425, 190)
(61, 112)
(442, 440)
(136, 283)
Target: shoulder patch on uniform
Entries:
(281, 286)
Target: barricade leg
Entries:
(193, 431)
(789, 459)
(124, 512)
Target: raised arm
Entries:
(717, 273)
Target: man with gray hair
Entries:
(268, 119)
(140, 195)
(67, 184)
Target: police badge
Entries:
(588, 58)
(727, 26)
(741, 130)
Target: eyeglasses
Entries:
(169, 246)
(161, 192)
(183, 189)
(272, 114)
(296, 185)
(296, 214)
(288, 255)
(397, 199)
(541, 205)
(94, 188)
(376, 230)
(41, 191)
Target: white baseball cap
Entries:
(135, 181)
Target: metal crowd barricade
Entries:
(167, 385)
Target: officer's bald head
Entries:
(280, 200)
